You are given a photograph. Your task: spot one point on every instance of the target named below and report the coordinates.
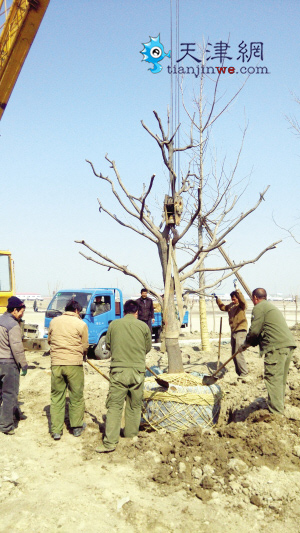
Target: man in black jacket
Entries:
(145, 309)
(12, 359)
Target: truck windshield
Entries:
(61, 298)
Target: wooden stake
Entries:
(219, 351)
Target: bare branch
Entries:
(146, 220)
(111, 264)
(210, 123)
(289, 230)
(233, 270)
(114, 217)
(143, 202)
(201, 251)
(244, 215)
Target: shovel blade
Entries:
(162, 382)
(209, 380)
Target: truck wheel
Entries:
(100, 351)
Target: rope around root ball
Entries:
(178, 408)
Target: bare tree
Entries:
(166, 239)
(292, 120)
(295, 127)
(216, 192)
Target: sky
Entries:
(82, 94)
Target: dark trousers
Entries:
(9, 390)
(148, 322)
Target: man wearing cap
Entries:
(68, 339)
(12, 359)
(270, 332)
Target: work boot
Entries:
(246, 378)
(77, 431)
(102, 449)
(56, 436)
(10, 432)
(19, 415)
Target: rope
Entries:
(187, 399)
(178, 409)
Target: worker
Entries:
(269, 330)
(35, 306)
(238, 325)
(145, 309)
(129, 340)
(68, 339)
(101, 306)
(12, 359)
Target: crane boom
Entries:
(19, 30)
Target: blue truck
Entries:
(97, 314)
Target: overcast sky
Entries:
(82, 93)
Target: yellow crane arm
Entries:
(19, 30)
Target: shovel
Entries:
(160, 381)
(219, 349)
(95, 368)
(210, 380)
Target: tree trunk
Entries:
(170, 332)
(172, 335)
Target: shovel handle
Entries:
(151, 371)
(97, 369)
(226, 362)
(219, 349)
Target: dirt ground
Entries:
(243, 475)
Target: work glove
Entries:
(214, 295)
(24, 372)
(243, 347)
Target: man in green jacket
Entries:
(269, 330)
(129, 340)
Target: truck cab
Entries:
(99, 308)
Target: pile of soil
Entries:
(241, 475)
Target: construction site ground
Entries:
(242, 475)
